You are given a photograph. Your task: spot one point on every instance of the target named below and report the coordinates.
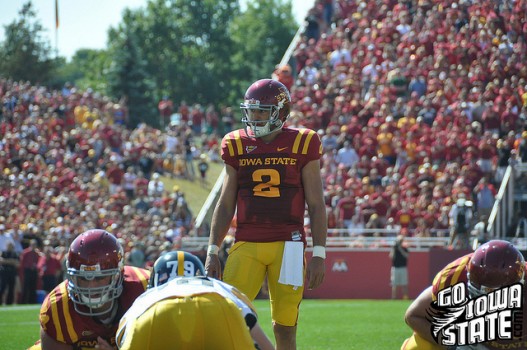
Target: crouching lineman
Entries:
(493, 266)
(83, 312)
(184, 309)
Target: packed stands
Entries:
(69, 164)
(424, 92)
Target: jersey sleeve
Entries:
(309, 144)
(135, 283)
(56, 316)
(231, 145)
(452, 274)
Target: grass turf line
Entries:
(323, 324)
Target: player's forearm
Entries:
(225, 207)
(417, 313)
(260, 338)
(48, 343)
(421, 326)
(221, 222)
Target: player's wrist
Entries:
(213, 249)
(319, 251)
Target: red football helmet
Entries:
(493, 265)
(266, 95)
(95, 256)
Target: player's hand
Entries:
(316, 270)
(103, 344)
(213, 266)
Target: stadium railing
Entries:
(503, 209)
(353, 242)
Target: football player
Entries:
(493, 265)
(272, 172)
(184, 309)
(83, 312)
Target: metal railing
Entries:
(346, 243)
(503, 210)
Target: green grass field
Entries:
(323, 324)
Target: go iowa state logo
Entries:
(459, 321)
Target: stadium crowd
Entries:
(417, 103)
(69, 163)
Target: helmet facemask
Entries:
(260, 127)
(475, 291)
(98, 300)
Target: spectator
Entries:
(115, 176)
(49, 269)
(29, 272)
(480, 232)
(460, 220)
(399, 272)
(189, 156)
(146, 163)
(374, 224)
(428, 112)
(345, 210)
(197, 117)
(347, 156)
(521, 147)
(284, 75)
(174, 232)
(9, 262)
(312, 23)
(418, 85)
(4, 239)
(397, 83)
(129, 182)
(504, 155)
(203, 167)
(227, 119)
(341, 56)
(156, 187)
(166, 108)
(136, 257)
(485, 194)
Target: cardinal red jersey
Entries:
(271, 201)
(61, 322)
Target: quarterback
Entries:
(272, 172)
